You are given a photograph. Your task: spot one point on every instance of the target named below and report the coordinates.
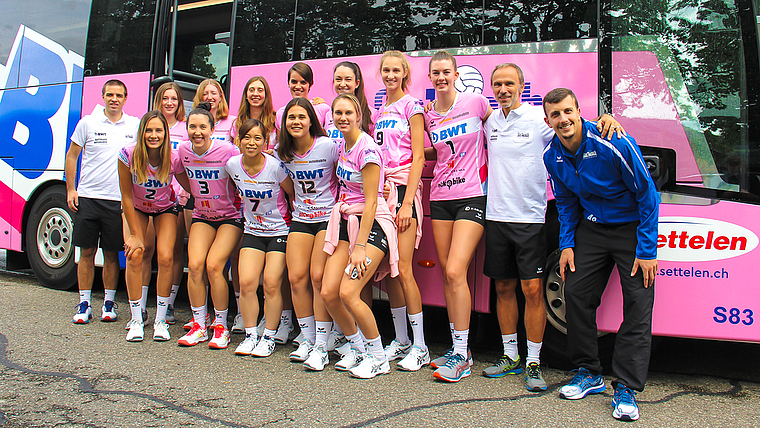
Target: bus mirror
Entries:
(661, 163)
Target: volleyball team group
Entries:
(314, 201)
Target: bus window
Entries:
(263, 31)
(538, 20)
(119, 37)
(210, 60)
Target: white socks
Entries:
(534, 353)
(323, 332)
(85, 296)
(399, 324)
(199, 315)
(308, 328)
(460, 342)
(509, 341)
(110, 295)
(162, 304)
(136, 310)
(417, 331)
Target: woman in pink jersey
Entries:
(258, 177)
(145, 173)
(300, 81)
(256, 103)
(310, 158)
(168, 100)
(400, 133)
(457, 200)
(211, 91)
(217, 225)
(347, 79)
(360, 233)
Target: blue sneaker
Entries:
(583, 383)
(624, 404)
(84, 313)
(456, 368)
(108, 314)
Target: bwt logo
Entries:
(694, 239)
(38, 112)
(450, 132)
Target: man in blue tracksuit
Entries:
(608, 209)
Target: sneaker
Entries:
(534, 381)
(285, 332)
(237, 326)
(414, 360)
(441, 361)
(161, 331)
(221, 337)
(246, 346)
(189, 325)
(170, 315)
(335, 341)
(505, 366)
(302, 353)
(108, 313)
(318, 358)
(196, 335)
(583, 383)
(136, 332)
(84, 313)
(264, 348)
(349, 360)
(144, 316)
(343, 349)
(299, 339)
(624, 404)
(262, 325)
(456, 368)
(396, 350)
(369, 367)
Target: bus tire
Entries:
(48, 240)
(554, 350)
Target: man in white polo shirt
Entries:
(96, 201)
(516, 135)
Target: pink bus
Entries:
(683, 80)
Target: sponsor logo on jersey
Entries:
(258, 194)
(451, 182)
(589, 154)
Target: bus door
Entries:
(192, 43)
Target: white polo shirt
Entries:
(101, 140)
(516, 173)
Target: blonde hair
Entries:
(222, 109)
(139, 164)
(180, 113)
(407, 81)
(267, 110)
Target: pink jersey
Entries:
(460, 170)
(215, 194)
(260, 193)
(224, 130)
(350, 165)
(334, 133)
(152, 196)
(323, 111)
(178, 134)
(314, 180)
(393, 131)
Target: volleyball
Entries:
(470, 80)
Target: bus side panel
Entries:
(138, 92)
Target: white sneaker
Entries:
(414, 360)
(221, 337)
(196, 335)
(285, 332)
(262, 325)
(170, 315)
(396, 350)
(135, 332)
(299, 339)
(343, 349)
(161, 331)
(302, 353)
(246, 346)
(369, 367)
(350, 359)
(84, 313)
(336, 341)
(318, 358)
(144, 314)
(237, 325)
(264, 348)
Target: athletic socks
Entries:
(460, 341)
(110, 295)
(269, 333)
(144, 297)
(375, 348)
(308, 328)
(357, 342)
(399, 324)
(509, 341)
(173, 294)
(162, 304)
(323, 331)
(251, 331)
(135, 310)
(417, 331)
(534, 352)
(85, 296)
(287, 315)
(220, 317)
(199, 315)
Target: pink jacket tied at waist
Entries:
(383, 216)
(399, 176)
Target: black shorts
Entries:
(473, 209)
(98, 219)
(401, 191)
(376, 237)
(237, 222)
(515, 250)
(265, 243)
(190, 204)
(174, 209)
(308, 228)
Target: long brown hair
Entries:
(140, 155)
(180, 113)
(223, 109)
(359, 93)
(267, 110)
(285, 149)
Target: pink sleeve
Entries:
(411, 108)
(482, 106)
(176, 164)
